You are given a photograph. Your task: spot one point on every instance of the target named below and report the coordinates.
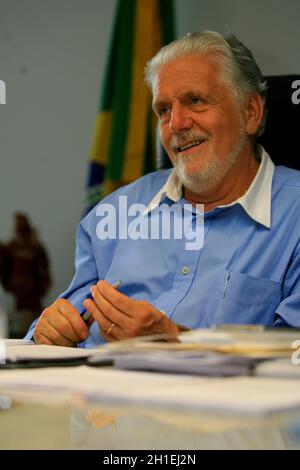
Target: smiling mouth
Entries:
(189, 145)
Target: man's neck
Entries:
(233, 186)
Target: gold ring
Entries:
(109, 330)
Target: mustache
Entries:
(188, 136)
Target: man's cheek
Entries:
(166, 143)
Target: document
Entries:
(16, 342)
(247, 340)
(33, 355)
(187, 362)
(239, 340)
(283, 368)
(242, 396)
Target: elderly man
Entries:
(208, 94)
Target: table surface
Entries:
(34, 422)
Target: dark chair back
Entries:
(280, 138)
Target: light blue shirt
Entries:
(248, 270)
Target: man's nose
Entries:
(180, 119)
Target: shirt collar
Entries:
(256, 201)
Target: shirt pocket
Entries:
(241, 298)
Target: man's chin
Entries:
(200, 179)
(190, 180)
(190, 171)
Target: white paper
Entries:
(253, 396)
(187, 362)
(17, 342)
(41, 352)
(283, 368)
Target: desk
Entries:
(32, 425)
(36, 421)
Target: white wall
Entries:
(270, 28)
(52, 55)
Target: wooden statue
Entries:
(24, 272)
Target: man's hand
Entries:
(61, 325)
(120, 317)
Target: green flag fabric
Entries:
(123, 146)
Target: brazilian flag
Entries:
(123, 146)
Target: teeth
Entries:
(191, 144)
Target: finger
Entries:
(131, 307)
(103, 322)
(42, 339)
(109, 310)
(56, 337)
(108, 338)
(143, 316)
(116, 298)
(123, 303)
(61, 324)
(73, 316)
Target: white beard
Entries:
(212, 171)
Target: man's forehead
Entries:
(189, 72)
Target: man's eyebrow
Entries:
(156, 104)
(187, 95)
(195, 93)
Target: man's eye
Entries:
(162, 112)
(196, 100)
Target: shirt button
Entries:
(185, 270)
(200, 220)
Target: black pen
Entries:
(86, 316)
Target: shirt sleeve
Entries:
(84, 277)
(29, 334)
(86, 273)
(288, 312)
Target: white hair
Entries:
(237, 64)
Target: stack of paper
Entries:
(244, 341)
(31, 355)
(215, 352)
(187, 362)
(254, 396)
(235, 350)
(278, 368)
(16, 342)
(241, 341)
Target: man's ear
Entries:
(254, 113)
